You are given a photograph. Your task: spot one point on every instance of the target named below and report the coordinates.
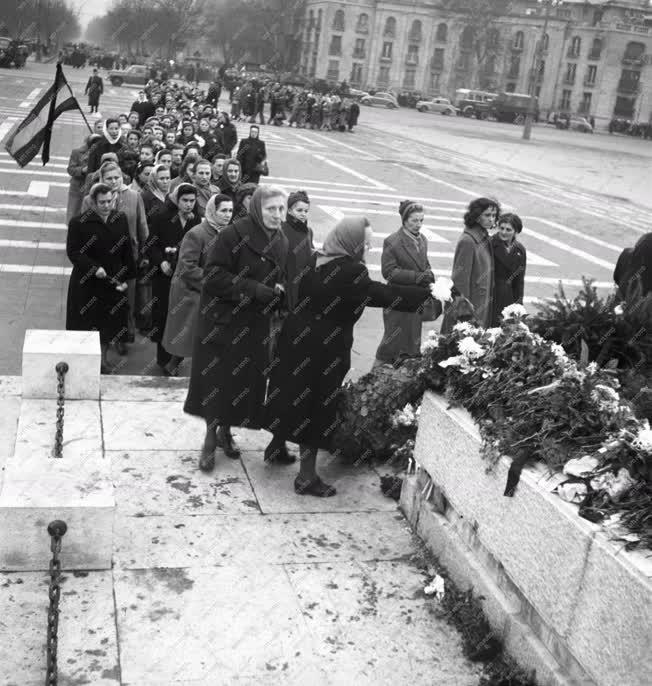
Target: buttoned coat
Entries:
(403, 263)
(77, 166)
(473, 275)
(185, 289)
(232, 351)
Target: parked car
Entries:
(471, 103)
(512, 107)
(381, 99)
(575, 123)
(357, 95)
(441, 105)
(136, 75)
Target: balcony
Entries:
(359, 54)
(436, 65)
(414, 38)
(595, 55)
(512, 75)
(588, 82)
(412, 60)
(633, 61)
(517, 48)
(630, 87)
(572, 53)
(569, 79)
(385, 58)
(334, 52)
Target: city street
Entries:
(581, 198)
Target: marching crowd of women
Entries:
(171, 234)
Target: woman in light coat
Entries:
(185, 289)
(77, 169)
(404, 262)
(473, 264)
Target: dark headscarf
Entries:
(346, 239)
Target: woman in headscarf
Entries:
(99, 247)
(314, 348)
(77, 169)
(473, 263)
(243, 199)
(242, 293)
(230, 181)
(111, 142)
(202, 171)
(141, 177)
(156, 190)
(229, 132)
(404, 261)
(186, 284)
(251, 154)
(167, 230)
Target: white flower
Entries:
(614, 485)
(605, 398)
(558, 351)
(464, 327)
(572, 372)
(455, 361)
(441, 289)
(470, 348)
(514, 311)
(643, 440)
(591, 368)
(572, 492)
(492, 334)
(581, 466)
(619, 310)
(523, 325)
(408, 416)
(436, 587)
(430, 344)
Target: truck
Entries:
(512, 107)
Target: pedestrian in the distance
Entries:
(510, 262)
(252, 156)
(94, 88)
(473, 263)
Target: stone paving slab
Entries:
(87, 646)
(166, 482)
(143, 388)
(245, 540)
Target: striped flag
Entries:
(35, 131)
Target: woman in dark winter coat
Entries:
(314, 348)
(167, 230)
(404, 262)
(241, 295)
(94, 88)
(156, 190)
(251, 153)
(111, 142)
(229, 133)
(231, 179)
(510, 262)
(354, 113)
(243, 200)
(99, 246)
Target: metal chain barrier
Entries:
(61, 370)
(56, 529)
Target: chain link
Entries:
(61, 370)
(56, 529)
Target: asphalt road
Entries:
(570, 229)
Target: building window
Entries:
(363, 23)
(383, 76)
(358, 50)
(585, 105)
(356, 73)
(545, 45)
(438, 59)
(565, 103)
(510, 88)
(408, 80)
(463, 61)
(493, 39)
(514, 67)
(537, 91)
(390, 28)
(442, 33)
(387, 51)
(434, 82)
(338, 21)
(591, 75)
(335, 47)
(597, 16)
(596, 49)
(466, 39)
(571, 71)
(624, 107)
(634, 53)
(415, 31)
(413, 54)
(518, 41)
(333, 73)
(574, 47)
(541, 71)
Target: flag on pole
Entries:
(35, 131)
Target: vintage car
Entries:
(135, 75)
(440, 105)
(381, 99)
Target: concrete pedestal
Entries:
(77, 487)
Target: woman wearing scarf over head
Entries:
(239, 308)
(229, 132)
(186, 284)
(314, 348)
(156, 190)
(167, 230)
(111, 142)
(230, 181)
(202, 171)
(99, 247)
(251, 154)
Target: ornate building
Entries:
(596, 60)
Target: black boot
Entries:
(277, 453)
(225, 441)
(207, 459)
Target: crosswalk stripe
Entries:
(34, 269)
(353, 172)
(21, 224)
(37, 244)
(40, 172)
(31, 208)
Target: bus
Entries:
(472, 103)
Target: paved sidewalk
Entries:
(228, 578)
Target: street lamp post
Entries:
(538, 55)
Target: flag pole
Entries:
(90, 128)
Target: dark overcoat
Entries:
(231, 352)
(165, 236)
(403, 263)
(94, 304)
(509, 276)
(251, 151)
(94, 88)
(314, 348)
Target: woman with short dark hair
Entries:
(473, 263)
(510, 261)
